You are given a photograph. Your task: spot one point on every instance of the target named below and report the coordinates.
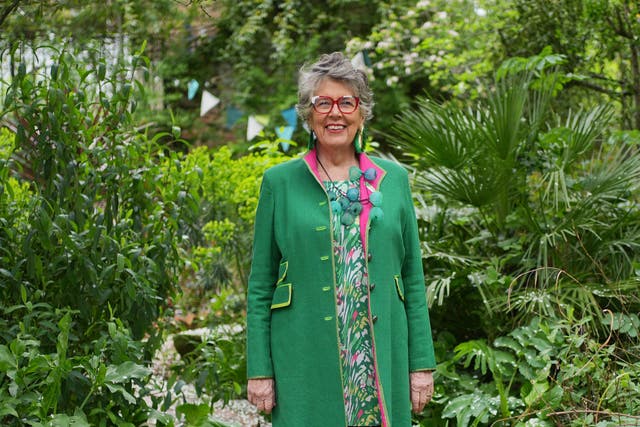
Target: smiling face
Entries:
(335, 130)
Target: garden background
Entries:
(133, 136)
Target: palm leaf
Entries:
(503, 117)
(437, 135)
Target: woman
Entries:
(338, 331)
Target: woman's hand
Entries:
(261, 392)
(421, 389)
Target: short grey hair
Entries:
(337, 67)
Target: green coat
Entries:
(292, 330)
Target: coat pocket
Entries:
(281, 296)
(399, 286)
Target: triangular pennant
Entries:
(285, 132)
(291, 116)
(367, 59)
(208, 102)
(358, 61)
(253, 128)
(233, 115)
(192, 89)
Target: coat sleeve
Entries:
(421, 352)
(263, 276)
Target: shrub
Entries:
(90, 243)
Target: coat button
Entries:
(372, 286)
(369, 257)
(375, 319)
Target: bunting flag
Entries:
(291, 116)
(358, 61)
(367, 60)
(208, 102)
(254, 127)
(285, 133)
(233, 115)
(192, 89)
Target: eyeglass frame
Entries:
(334, 102)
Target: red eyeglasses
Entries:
(346, 104)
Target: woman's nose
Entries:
(335, 111)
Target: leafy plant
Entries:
(530, 220)
(216, 364)
(545, 373)
(229, 186)
(548, 209)
(90, 241)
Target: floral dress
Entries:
(356, 345)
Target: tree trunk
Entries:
(635, 85)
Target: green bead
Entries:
(376, 198)
(370, 174)
(354, 173)
(353, 194)
(347, 219)
(376, 214)
(355, 208)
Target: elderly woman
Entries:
(338, 332)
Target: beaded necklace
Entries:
(349, 205)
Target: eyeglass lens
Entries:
(324, 104)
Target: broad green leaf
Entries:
(162, 417)
(553, 397)
(120, 389)
(120, 262)
(193, 413)
(7, 409)
(508, 342)
(125, 372)
(538, 389)
(7, 359)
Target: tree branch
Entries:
(6, 11)
(593, 412)
(597, 88)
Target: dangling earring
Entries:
(312, 140)
(360, 140)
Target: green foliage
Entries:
(528, 205)
(90, 244)
(197, 415)
(36, 386)
(229, 186)
(599, 48)
(544, 373)
(439, 47)
(98, 228)
(529, 216)
(217, 366)
(550, 216)
(29, 21)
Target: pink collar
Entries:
(365, 163)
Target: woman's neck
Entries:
(336, 163)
